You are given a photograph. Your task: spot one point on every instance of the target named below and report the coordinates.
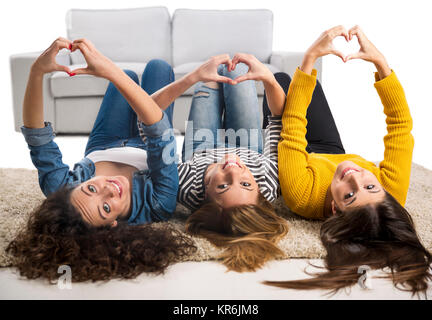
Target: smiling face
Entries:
(353, 186)
(229, 183)
(102, 200)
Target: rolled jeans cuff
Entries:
(155, 130)
(38, 136)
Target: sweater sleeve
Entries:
(395, 169)
(295, 176)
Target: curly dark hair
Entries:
(56, 235)
(376, 235)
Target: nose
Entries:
(357, 179)
(232, 173)
(109, 190)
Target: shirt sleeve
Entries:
(187, 195)
(272, 137)
(47, 158)
(297, 179)
(395, 169)
(160, 143)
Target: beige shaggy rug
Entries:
(20, 193)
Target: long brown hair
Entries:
(56, 235)
(378, 236)
(248, 233)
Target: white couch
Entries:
(132, 37)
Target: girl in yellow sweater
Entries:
(365, 221)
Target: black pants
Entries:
(322, 134)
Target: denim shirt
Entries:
(154, 191)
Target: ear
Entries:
(114, 224)
(334, 206)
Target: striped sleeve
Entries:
(191, 188)
(185, 184)
(272, 137)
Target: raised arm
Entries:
(33, 116)
(45, 154)
(296, 176)
(206, 72)
(399, 143)
(100, 66)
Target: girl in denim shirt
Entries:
(94, 218)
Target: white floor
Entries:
(195, 281)
(190, 280)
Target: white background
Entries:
(401, 30)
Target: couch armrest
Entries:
(289, 61)
(20, 65)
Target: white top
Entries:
(134, 157)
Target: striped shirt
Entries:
(264, 167)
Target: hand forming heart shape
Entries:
(347, 48)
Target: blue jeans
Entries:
(225, 117)
(116, 122)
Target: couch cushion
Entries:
(199, 34)
(183, 69)
(137, 35)
(86, 85)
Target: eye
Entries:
(91, 188)
(106, 208)
(245, 184)
(349, 195)
(371, 186)
(222, 186)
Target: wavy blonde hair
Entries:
(248, 233)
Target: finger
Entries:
(222, 59)
(64, 40)
(339, 54)
(224, 79)
(355, 31)
(60, 67)
(241, 58)
(61, 44)
(339, 31)
(352, 56)
(80, 71)
(242, 78)
(229, 65)
(346, 36)
(82, 47)
(86, 42)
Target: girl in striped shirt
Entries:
(229, 175)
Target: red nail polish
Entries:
(71, 74)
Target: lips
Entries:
(118, 186)
(231, 164)
(348, 171)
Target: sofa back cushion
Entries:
(200, 34)
(127, 35)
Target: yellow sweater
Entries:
(305, 178)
